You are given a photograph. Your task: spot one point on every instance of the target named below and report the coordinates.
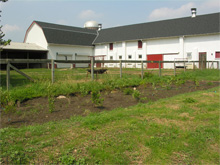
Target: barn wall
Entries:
(171, 48)
(35, 35)
(208, 43)
(82, 52)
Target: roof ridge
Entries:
(69, 30)
(135, 24)
(48, 25)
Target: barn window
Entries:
(140, 56)
(217, 54)
(129, 56)
(189, 55)
(111, 46)
(111, 57)
(139, 44)
(120, 57)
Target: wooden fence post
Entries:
(218, 64)
(120, 69)
(193, 65)
(8, 76)
(52, 71)
(184, 66)
(160, 68)
(142, 70)
(174, 68)
(92, 68)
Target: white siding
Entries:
(163, 46)
(35, 35)
(77, 52)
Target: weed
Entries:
(7, 103)
(148, 75)
(136, 94)
(196, 81)
(67, 159)
(51, 99)
(189, 100)
(128, 91)
(96, 98)
(210, 83)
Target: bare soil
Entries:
(36, 111)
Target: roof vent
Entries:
(99, 27)
(193, 10)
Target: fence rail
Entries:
(9, 63)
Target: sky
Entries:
(17, 15)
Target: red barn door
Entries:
(155, 57)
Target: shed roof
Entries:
(68, 35)
(203, 24)
(23, 46)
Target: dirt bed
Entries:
(37, 110)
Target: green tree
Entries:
(2, 41)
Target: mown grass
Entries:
(180, 130)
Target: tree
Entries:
(2, 41)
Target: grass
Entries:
(168, 131)
(183, 129)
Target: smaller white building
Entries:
(62, 42)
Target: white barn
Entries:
(192, 38)
(62, 42)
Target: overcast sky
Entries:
(17, 15)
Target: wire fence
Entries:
(120, 64)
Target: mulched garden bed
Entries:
(37, 110)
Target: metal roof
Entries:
(203, 24)
(23, 46)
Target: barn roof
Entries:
(203, 24)
(67, 35)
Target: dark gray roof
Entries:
(68, 35)
(203, 24)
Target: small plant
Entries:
(7, 103)
(67, 159)
(96, 98)
(189, 100)
(148, 75)
(209, 83)
(136, 94)
(128, 91)
(196, 82)
(51, 99)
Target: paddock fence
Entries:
(119, 64)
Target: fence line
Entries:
(9, 63)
